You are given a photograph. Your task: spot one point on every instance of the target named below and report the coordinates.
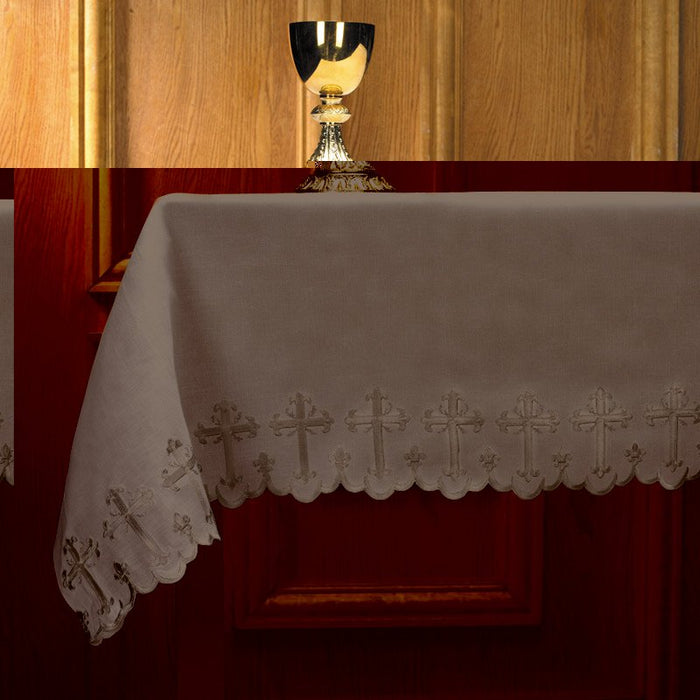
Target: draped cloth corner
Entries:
(521, 341)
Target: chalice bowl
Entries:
(331, 59)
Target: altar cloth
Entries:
(452, 341)
(7, 339)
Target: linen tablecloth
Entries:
(452, 341)
(7, 339)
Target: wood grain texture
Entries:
(548, 80)
(38, 83)
(690, 80)
(205, 84)
(374, 576)
(189, 83)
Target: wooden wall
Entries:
(185, 83)
(39, 90)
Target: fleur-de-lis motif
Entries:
(414, 458)
(489, 459)
(635, 454)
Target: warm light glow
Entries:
(344, 75)
(320, 33)
(339, 32)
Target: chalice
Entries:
(331, 59)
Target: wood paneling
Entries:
(292, 570)
(206, 84)
(549, 80)
(190, 83)
(39, 45)
(690, 80)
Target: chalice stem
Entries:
(330, 144)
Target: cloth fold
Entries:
(451, 341)
(7, 340)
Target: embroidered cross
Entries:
(602, 416)
(126, 511)
(675, 411)
(180, 467)
(528, 418)
(301, 422)
(383, 417)
(227, 429)
(79, 559)
(183, 462)
(453, 418)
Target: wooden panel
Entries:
(607, 631)
(38, 117)
(690, 79)
(189, 83)
(206, 84)
(539, 83)
(292, 570)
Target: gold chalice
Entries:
(331, 59)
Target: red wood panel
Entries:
(347, 560)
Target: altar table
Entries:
(298, 343)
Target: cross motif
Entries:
(675, 411)
(301, 422)
(528, 417)
(227, 429)
(383, 417)
(602, 416)
(180, 467)
(126, 511)
(79, 560)
(183, 462)
(121, 574)
(453, 418)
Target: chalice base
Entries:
(344, 176)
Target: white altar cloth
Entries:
(7, 340)
(301, 342)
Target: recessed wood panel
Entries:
(206, 84)
(416, 560)
(189, 83)
(549, 80)
(39, 45)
